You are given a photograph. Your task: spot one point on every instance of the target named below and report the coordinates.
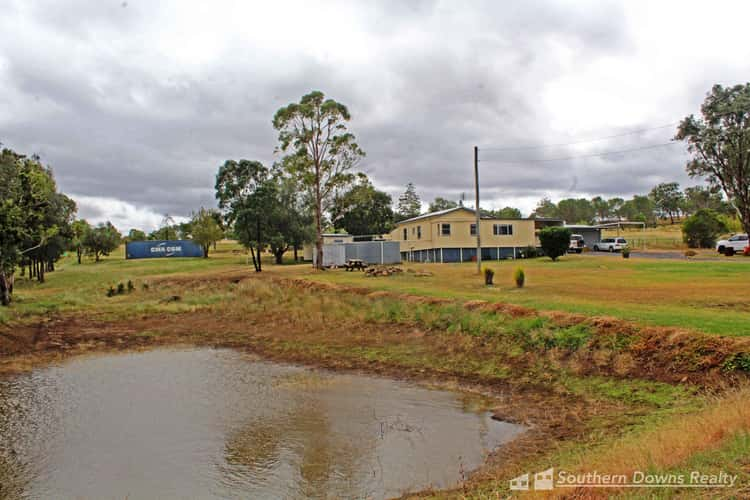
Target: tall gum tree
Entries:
(320, 152)
(719, 143)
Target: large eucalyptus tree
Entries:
(319, 150)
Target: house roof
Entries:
(581, 226)
(454, 209)
(435, 214)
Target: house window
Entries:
(473, 230)
(502, 229)
(445, 229)
(406, 234)
(419, 232)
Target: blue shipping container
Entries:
(162, 248)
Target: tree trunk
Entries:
(257, 235)
(279, 254)
(96, 256)
(41, 272)
(79, 251)
(6, 288)
(255, 263)
(205, 251)
(318, 235)
(295, 254)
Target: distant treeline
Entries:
(666, 201)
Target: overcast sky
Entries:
(135, 105)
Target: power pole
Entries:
(476, 192)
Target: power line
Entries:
(545, 146)
(592, 155)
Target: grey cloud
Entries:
(438, 80)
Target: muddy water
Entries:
(217, 424)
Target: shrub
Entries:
(120, 288)
(111, 292)
(739, 361)
(530, 252)
(131, 286)
(519, 277)
(489, 275)
(626, 253)
(690, 253)
(732, 223)
(701, 229)
(555, 241)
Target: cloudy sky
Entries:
(135, 103)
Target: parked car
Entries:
(610, 245)
(576, 243)
(732, 245)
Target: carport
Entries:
(591, 234)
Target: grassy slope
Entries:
(700, 295)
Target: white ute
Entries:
(732, 245)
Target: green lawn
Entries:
(73, 287)
(699, 295)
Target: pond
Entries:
(206, 423)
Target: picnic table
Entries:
(352, 264)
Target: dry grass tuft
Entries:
(675, 441)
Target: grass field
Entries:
(599, 394)
(698, 295)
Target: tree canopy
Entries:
(667, 199)
(440, 203)
(409, 204)
(263, 207)
(719, 144)
(363, 210)
(35, 219)
(205, 230)
(102, 240)
(320, 152)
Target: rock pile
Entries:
(382, 271)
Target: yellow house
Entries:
(450, 236)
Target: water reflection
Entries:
(215, 424)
